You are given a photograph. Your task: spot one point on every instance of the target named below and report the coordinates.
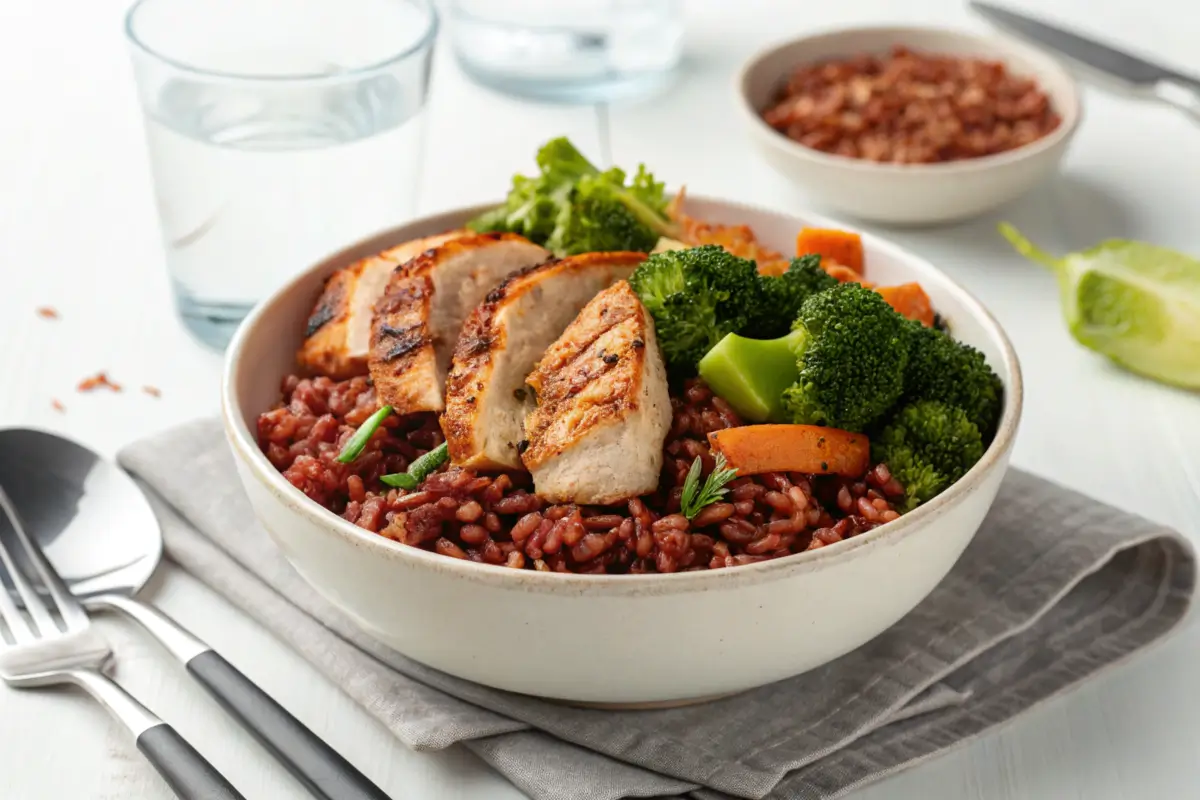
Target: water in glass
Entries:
(584, 51)
(273, 145)
(246, 204)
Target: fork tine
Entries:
(42, 620)
(69, 609)
(11, 615)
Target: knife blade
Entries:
(1099, 56)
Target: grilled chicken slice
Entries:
(339, 328)
(501, 343)
(419, 316)
(597, 433)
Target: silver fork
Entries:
(36, 651)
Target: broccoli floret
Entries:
(783, 295)
(603, 214)
(852, 360)
(928, 445)
(572, 207)
(941, 368)
(696, 296)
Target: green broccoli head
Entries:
(782, 295)
(940, 368)
(852, 360)
(696, 297)
(603, 215)
(928, 445)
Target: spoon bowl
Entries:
(91, 519)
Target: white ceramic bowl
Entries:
(907, 194)
(620, 639)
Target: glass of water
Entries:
(279, 131)
(573, 51)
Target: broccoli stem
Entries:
(752, 374)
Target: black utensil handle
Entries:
(318, 766)
(185, 770)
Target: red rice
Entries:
(496, 518)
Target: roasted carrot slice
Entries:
(811, 449)
(910, 300)
(839, 247)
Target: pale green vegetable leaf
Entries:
(1137, 303)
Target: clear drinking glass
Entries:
(278, 131)
(581, 51)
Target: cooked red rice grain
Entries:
(603, 522)
(469, 511)
(747, 490)
(778, 501)
(492, 522)
(448, 548)
(525, 526)
(738, 531)
(867, 509)
(473, 534)
(710, 515)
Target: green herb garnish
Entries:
(419, 469)
(359, 440)
(695, 497)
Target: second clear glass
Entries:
(572, 51)
(279, 131)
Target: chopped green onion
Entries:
(359, 440)
(694, 496)
(419, 469)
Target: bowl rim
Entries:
(1071, 109)
(245, 446)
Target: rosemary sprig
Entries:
(695, 497)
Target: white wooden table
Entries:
(79, 234)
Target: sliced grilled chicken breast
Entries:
(419, 316)
(603, 411)
(501, 343)
(339, 328)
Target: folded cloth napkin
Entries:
(1053, 589)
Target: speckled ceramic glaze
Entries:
(620, 639)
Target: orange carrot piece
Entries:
(811, 449)
(840, 247)
(910, 300)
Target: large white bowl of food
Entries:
(608, 446)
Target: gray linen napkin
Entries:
(1054, 588)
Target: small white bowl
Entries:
(615, 639)
(908, 194)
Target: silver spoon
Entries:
(99, 532)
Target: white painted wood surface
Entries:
(79, 234)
